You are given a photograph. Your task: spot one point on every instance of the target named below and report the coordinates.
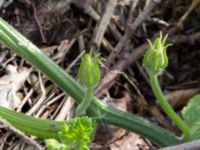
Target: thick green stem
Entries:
(168, 109)
(85, 103)
(110, 115)
(30, 125)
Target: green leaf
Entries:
(53, 144)
(191, 116)
(81, 147)
(77, 133)
(84, 147)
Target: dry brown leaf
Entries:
(161, 118)
(131, 141)
(179, 98)
(10, 84)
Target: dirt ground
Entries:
(118, 30)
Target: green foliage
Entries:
(49, 128)
(73, 135)
(53, 144)
(77, 134)
(89, 71)
(155, 59)
(191, 116)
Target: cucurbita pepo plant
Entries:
(94, 109)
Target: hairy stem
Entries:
(85, 102)
(168, 109)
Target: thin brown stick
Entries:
(106, 44)
(123, 64)
(88, 9)
(66, 111)
(41, 100)
(23, 102)
(191, 38)
(39, 27)
(179, 25)
(113, 29)
(131, 29)
(144, 14)
(101, 27)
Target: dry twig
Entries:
(124, 62)
(39, 27)
(181, 21)
(131, 29)
(102, 25)
(40, 101)
(66, 110)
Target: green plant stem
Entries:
(86, 102)
(24, 48)
(30, 125)
(95, 126)
(168, 109)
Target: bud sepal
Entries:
(89, 71)
(155, 60)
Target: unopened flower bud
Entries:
(155, 60)
(89, 71)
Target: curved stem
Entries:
(168, 109)
(130, 122)
(85, 102)
(33, 126)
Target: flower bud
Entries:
(89, 71)
(155, 60)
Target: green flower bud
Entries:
(89, 71)
(155, 60)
